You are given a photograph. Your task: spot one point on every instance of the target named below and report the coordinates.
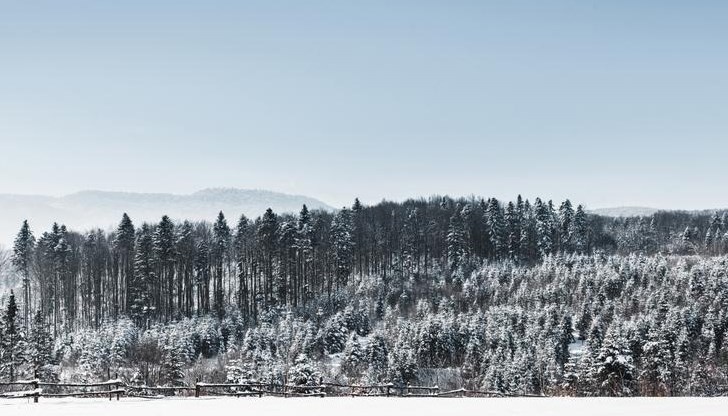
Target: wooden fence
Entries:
(35, 389)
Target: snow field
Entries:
(365, 406)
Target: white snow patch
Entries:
(576, 348)
(330, 406)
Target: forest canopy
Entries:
(520, 296)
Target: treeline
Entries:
(165, 271)
(169, 270)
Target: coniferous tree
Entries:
(496, 228)
(544, 239)
(221, 242)
(202, 277)
(144, 281)
(343, 244)
(268, 238)
(580, 231)
(186, 249)
(304, 246)
(172, 372)
(164, 257)
(22, 260)
(613, 369)
(40, 351)
(456, 250)
(243, 245)
(513, 227)
(124, 251)
(566, 226)
(12, 343)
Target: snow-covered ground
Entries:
(368, 406)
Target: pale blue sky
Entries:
(607, 102)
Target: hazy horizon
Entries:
(608, 104)
(334, 206)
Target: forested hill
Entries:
(447, 288)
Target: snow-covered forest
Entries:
(519, 297)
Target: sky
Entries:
(608, 103)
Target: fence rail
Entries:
(35, 390)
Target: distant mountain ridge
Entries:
(625, 211)
(92, 209)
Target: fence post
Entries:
(35, 388)
(388, 390)
(197, 387)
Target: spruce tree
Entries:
(220, 245)
(343, 244)
(12, 344)
(243, 242)
(613, 368)
(164, 258)
(456, 250)
(580, 231)
(496, 228)
(566, 224)
(23, 250)
(143, 283)
(172, 367)
(268, 238)
(544, 240)
(513, 233)
(40, 351)
(357, 220)
(202, 276)
(123, 243)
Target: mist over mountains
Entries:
(101, 209)
(625, 211)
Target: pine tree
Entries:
(357, 219)
(12, 344)
(343, 245)
(268, 238)
(513, 233)
(411, 242)
(580, 231)
(40, 351)
(172, 372)
(124, 250)
(566, 224)
(354, 359)
(164, 258)
(528, 239)
(22, 258)
(243, 243)
(144, 278)
(377, 356)
(202, 276)
(565, 337)
(496, 228)
(456, 250)
(220, 245)
(186, 249)
(544, 240)
(613, 369)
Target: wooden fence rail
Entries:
(118, 388)
(113, 388)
